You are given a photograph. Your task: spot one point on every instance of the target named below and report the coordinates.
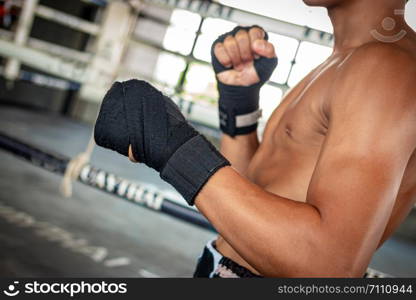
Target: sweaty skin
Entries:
(335, 172)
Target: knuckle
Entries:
(218, 47)
(270, 47)
(241, 34)
(230, 44)
(229, 40)
(257, 32)
(224, 59)
(242, 38)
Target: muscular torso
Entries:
(286, 158)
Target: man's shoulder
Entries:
(376, 57)
(375, 72)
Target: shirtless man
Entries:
(335, 173)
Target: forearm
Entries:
(243, 61)
(239, 150)
(277, 236)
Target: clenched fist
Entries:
(243, 60)
(238, 50)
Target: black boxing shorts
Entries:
(212, 264)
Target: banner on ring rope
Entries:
(129, 288)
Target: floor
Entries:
(93, 234)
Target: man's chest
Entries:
(293, 138)
(302, 118)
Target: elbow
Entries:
(338, 263)
(342, 270)
(333, 257)
(322, 262)
(339, 266)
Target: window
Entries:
(210, 30)
(285, 49)
(270, 97)
(309, 57)
(180, 36)
(168, 68)
(201, 83)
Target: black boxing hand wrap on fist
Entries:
(135, 113)
(239, 105)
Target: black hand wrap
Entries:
(135, 113)
(239, 105)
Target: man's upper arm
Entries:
(371, 136)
